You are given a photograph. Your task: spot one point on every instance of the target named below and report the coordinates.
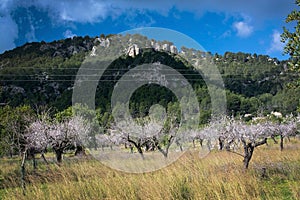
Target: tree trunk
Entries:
(139, 148)
(178, 144)
(221, 144)
(44, 158)
(281, 142)
(248, 152)
(273, 138)
(166, 151)
(11, 152)
(249, 149)
(137, 145)
(59, 154)
(131, 148)
(209, 144)
(34, 161)
(201, 142)
(23, 172)
(31, 155)
(80, 151)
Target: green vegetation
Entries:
(293, 38)
(43, 74)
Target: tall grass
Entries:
(220, 175)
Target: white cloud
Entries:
(226, 34)
(68, 34)
(131, 19)
(9, 32)
(92, 11)
(276, 44)
(243, 29)
(76, 11)
(30, 36)
(6, 6)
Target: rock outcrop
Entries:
(102, 43)
(133, 50)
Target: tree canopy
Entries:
(293, 38)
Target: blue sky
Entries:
(218, 25)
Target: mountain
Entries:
(44, 73)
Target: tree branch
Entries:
(237, 153)
(264, 141)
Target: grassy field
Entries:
(220, 175)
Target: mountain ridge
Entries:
(49, 70)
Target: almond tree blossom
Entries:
(137, 135)
(286, 129)
(145, 135)
(67, 134)
(164, 138)
(60, 136)
(112, 138)
(216, 130)
(250, 136)
(37, 139)
(237, 134)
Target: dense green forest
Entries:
(43, 74)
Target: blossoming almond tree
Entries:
(286, 129)
(70, 133)
(110, 139)
(37, 139)
(145, 134)
(164, 138)
(136, 134)
(249, 136)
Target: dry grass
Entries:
(220, 175)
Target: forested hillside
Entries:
(43, 73)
